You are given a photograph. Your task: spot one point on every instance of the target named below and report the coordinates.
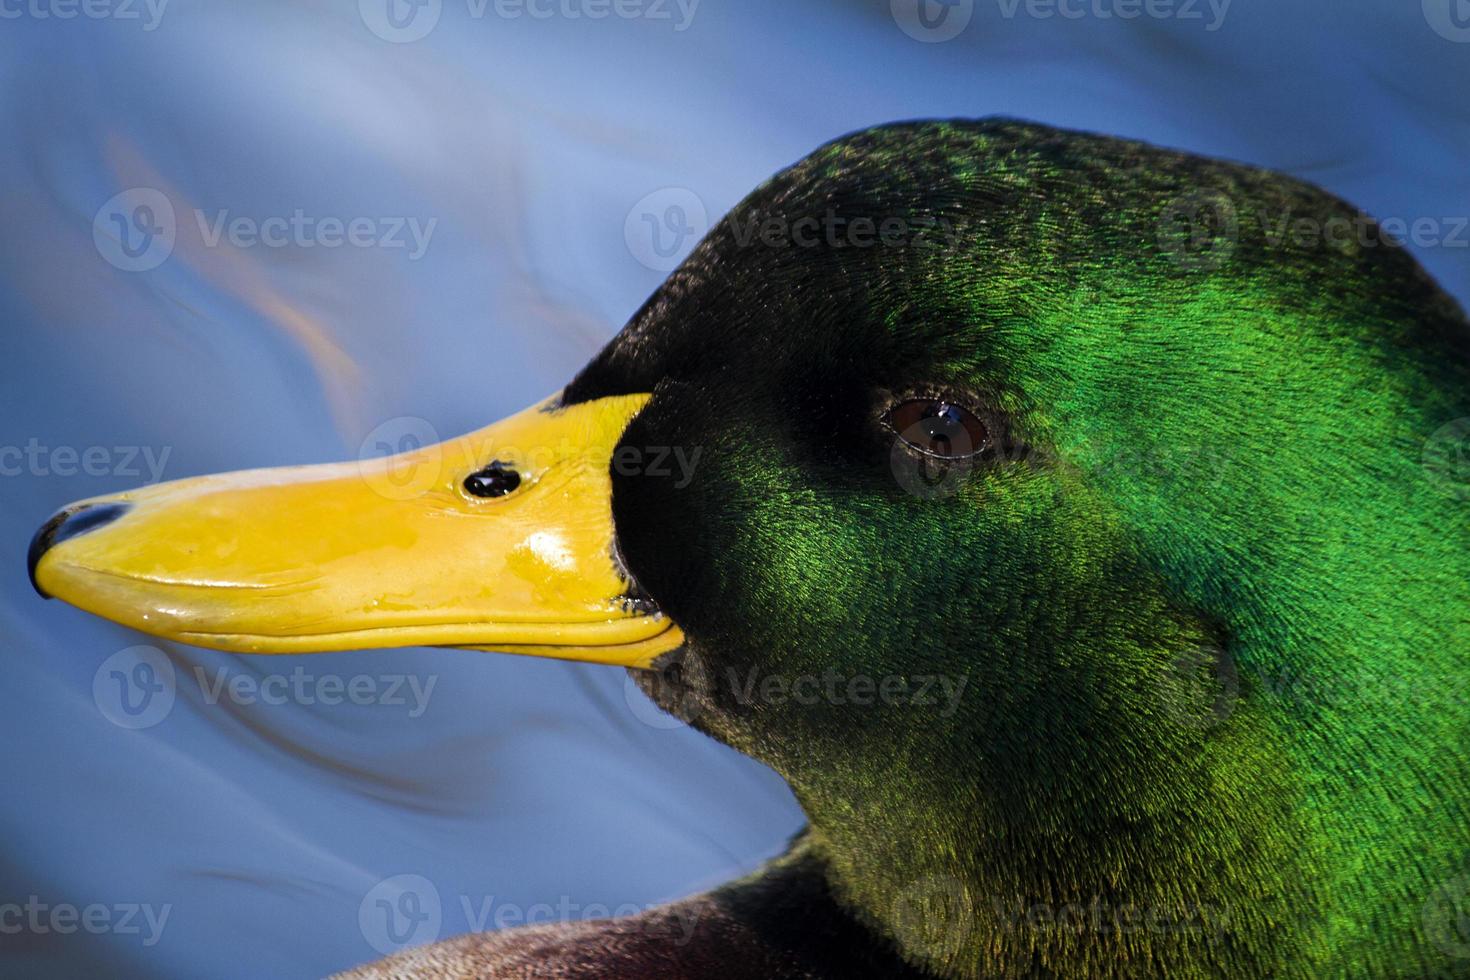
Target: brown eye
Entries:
(939, 428)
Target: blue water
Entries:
(153, 824)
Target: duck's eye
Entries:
(495, 480)
(939, 428)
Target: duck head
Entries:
(954, 481)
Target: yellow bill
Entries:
(501, 539)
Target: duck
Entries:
(1089, 555)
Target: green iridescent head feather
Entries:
(1208, 605)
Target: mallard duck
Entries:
(1098, 580)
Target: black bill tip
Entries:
(65, 524)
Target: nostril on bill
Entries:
(495, 480)
(67, 524)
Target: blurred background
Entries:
(237, 235)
